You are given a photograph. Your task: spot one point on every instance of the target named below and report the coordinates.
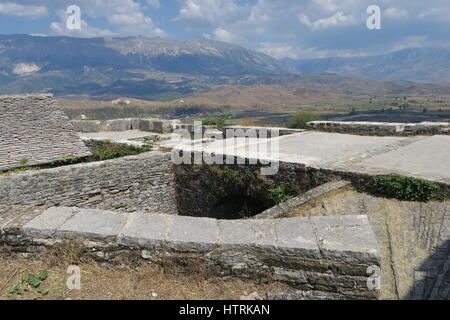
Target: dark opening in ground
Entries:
(236, 207)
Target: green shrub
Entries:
(115, 150)
(404, 188)
(217, 121)
(106, 151)
(279, 194)
(300, 120)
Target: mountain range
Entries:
(420, 65)
(163, 70)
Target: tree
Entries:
(299, 120)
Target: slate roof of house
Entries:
(35, 131)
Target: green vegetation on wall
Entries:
(217, 121)
(272, 191)
(300, 120)
(106, 151)
(404, 188)
(279, 194)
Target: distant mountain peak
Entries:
(422, 65)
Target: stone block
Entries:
(163, 126)
(295, 236)
(46, 224)
(93, 224)
(346, 237)
(86, 126)
(244, 235)
(118, 125)
(193, 234)
(146, 230)
(147, 125)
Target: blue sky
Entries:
(297, 29)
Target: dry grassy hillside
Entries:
(235, 96)
(263, 95)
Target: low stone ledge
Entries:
(118, 125)
(282, 210)
(381, 128)
(324, 254)
(86, 126)
(263, 132)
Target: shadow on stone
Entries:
(236, 207)
(432, 278)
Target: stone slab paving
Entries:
(293, 236)
(130, 136)
(425, 157)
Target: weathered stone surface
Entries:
(193, 234)
(163, 126)
(346, 237)
(123, 124)
(46, 224)
(296, 237)
(413, 240)
(92, 224)
(247, 235)
(381, 128)
(284, 209)
(246, 249)
(35, 131)
(146, 230)
(86, 126)
(142, 182)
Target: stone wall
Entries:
(263, 132)
(382, 128)
(34, 131)
(413, 237)
(117, 125)
(86, 126)
(200, 187)
(318, 257)
(142, 182)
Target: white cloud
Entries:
(212, 12)
(86, 31)
(125, 18)
(15, 9)
(338, 19)
(226, 36)
(396, 13)
(154, 3)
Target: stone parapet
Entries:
(381, 128)
(322, 257)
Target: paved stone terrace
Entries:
(425, 157)
(321, 257)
